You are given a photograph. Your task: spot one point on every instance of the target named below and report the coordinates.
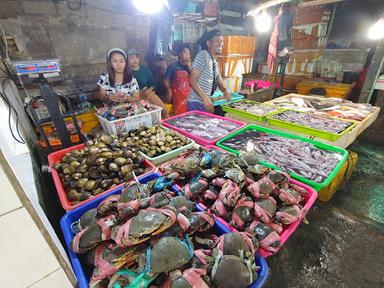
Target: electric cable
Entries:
(10, 108)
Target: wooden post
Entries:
(373, 73)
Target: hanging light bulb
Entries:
(263, 22)
(149, 6)
(377, 30)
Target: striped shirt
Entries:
(204, 63)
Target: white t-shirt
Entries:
(128, 88)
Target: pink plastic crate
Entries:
(288, 229)
(258, 84)
(65, 203)
(197, 139)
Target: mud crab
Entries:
(140, 228)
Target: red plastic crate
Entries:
(65, 203)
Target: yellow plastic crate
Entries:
(169, 108)
(344, 174)
(89, 119)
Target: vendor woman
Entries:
(118, 84)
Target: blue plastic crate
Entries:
(234, 97)
(74, 215)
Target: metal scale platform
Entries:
(38, 72)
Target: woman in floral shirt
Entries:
(118, 85)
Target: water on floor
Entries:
(343, 245)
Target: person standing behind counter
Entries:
(177, 79)
(144, 78)
(118, 84)
(205, 76)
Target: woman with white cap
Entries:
(118, 84)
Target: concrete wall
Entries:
(80, 38)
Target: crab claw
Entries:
(265, 209)
(242, 213)
(288, 214)
(201, 221)
(218, 208)
(261, 188)
(161, 183)
(108, 205)
(234, 242)
(289, 196)
(268, 238)
(219, 182)
(230, 193)
(195, 188)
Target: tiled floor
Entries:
(26, 260)
(9, 200)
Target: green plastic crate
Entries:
(315, 185)
(248, 115)
(308, 130)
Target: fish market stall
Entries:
(315, 113)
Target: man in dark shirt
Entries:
(177, 79)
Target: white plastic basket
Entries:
(121, 126)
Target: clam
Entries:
(81, 182)
(106, 139)
(82, 168)
(120, 161)
(100, 161)
(90, 185)
(106, 154)
(76, 153)
(114, 167)
(105, 184)
(93, 149)
(98, 191)
(58, 167)
(74, 164)
(77, 176)
(126, 169)
(68, 170)
(94, 174)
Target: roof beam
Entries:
(262, 6)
